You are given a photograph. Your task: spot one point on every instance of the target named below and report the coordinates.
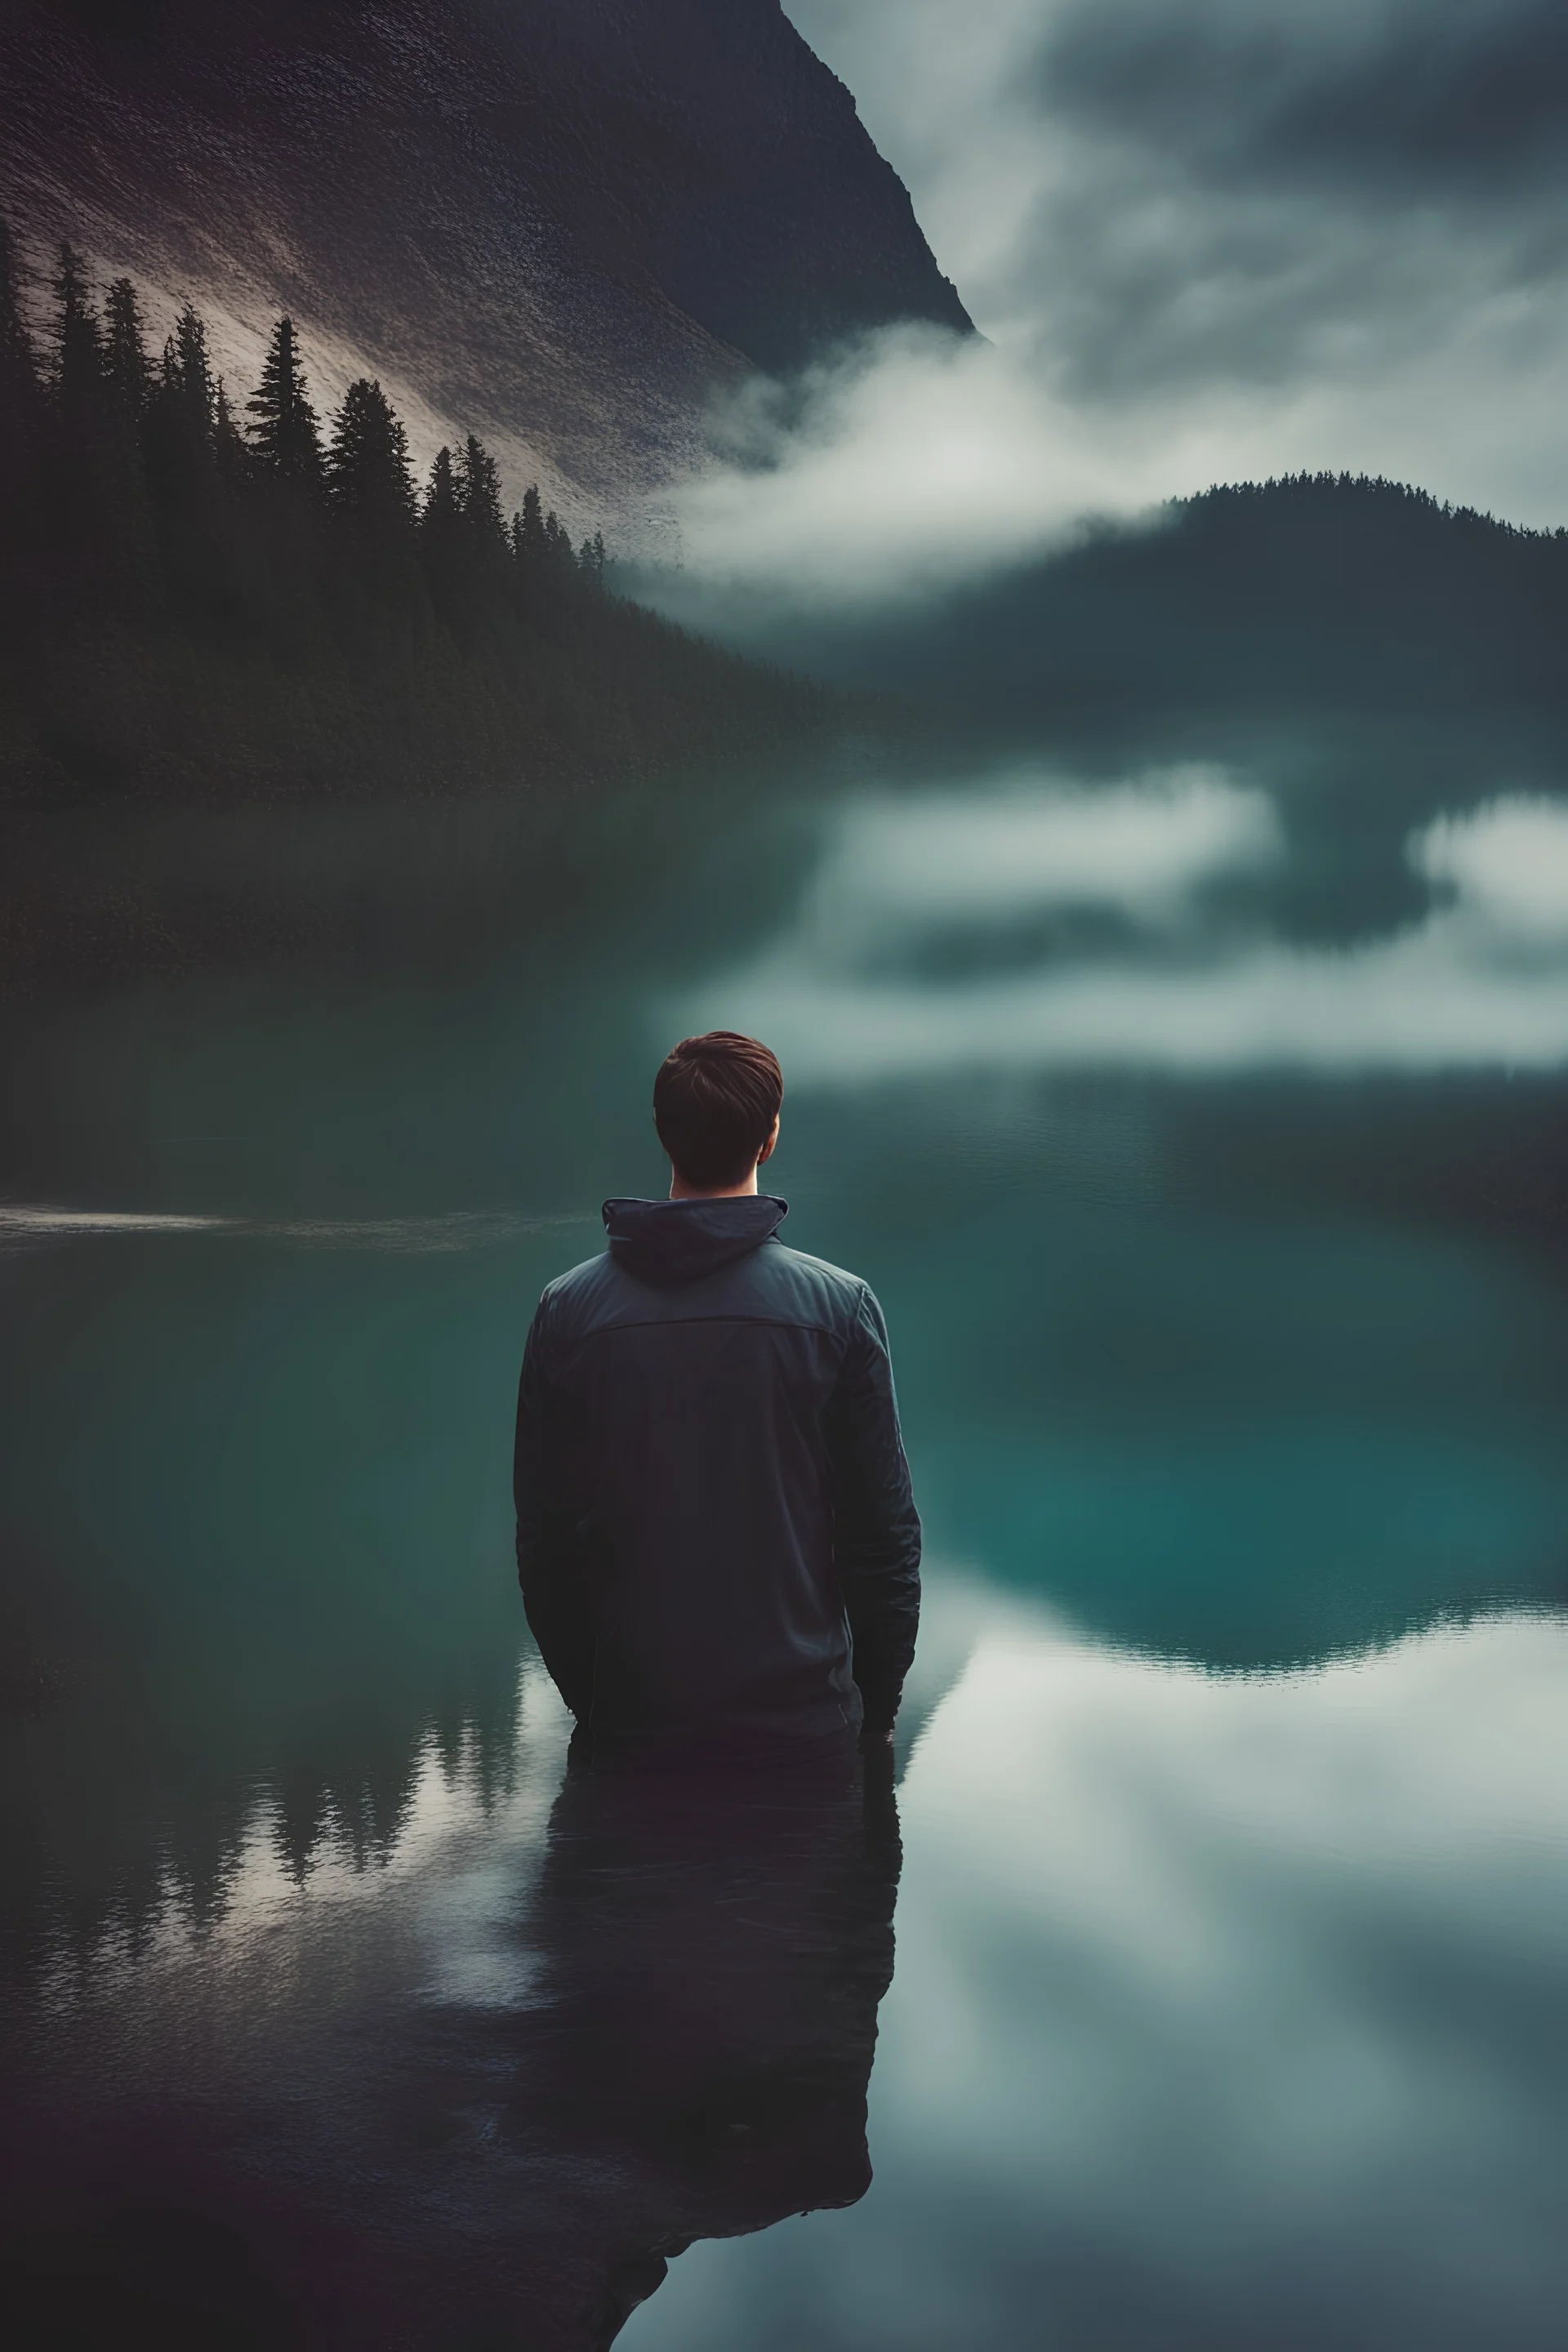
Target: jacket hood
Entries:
(668, 1242)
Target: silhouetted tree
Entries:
(528, 526)
(284, 435)
(478, 499)
(558, 546)
(367, 471)
(545, 565)
(127, 369)
(187, 375)
(441, 537)
(95, 515)
(78, 341)
(193, 511)
(529, 559)
(438, 517)
(21, 420)
(18, 360)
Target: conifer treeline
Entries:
(197, 597)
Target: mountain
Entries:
(563, 224)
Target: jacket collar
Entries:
(668, 1242)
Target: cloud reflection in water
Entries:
(1480, 982)
(1219, 2018)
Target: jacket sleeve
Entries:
(555, 1596)
(876, 1530)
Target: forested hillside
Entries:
(1252, 595)
(209, 593)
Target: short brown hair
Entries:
(714, 1103)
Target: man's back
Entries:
(716, 1536)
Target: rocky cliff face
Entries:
(561, 223)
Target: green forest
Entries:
(215, 596)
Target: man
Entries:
(717, 1544)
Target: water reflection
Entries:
(715, 1959)
(1036, 925)
(1228, 2007)
(1229, 2016)
(484, 2093)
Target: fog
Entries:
(914, 461)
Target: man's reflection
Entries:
(712, 1963)
(684, 2055)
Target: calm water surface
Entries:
(1203, 1983)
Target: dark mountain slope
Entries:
(561, 222)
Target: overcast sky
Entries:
(1209, 239)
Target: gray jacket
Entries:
(715, 1531)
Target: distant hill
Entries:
(1313, 589)
(559, 223)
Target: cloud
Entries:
(1479, 982)
(1210, 239)
(1051, 142)
(1451, 99)
(915, 461)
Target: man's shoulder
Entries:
(816, 1290)
(580, 1284)
(817, 1270)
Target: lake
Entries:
(1203, 1982)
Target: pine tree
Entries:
(187, 375)
(591, 560)
(84, 481)
(285, 436)
(533, 586)
(18, 360)
(126, 356)
(442, 551)
(189, 494)
(121, 402)
(558, 547)
(21, 421)
(126, 366)
(78, 340)
(479, 500)
(438, 516)
(367, 473)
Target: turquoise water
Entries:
(1224, 1271)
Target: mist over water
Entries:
(1208, 1157)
